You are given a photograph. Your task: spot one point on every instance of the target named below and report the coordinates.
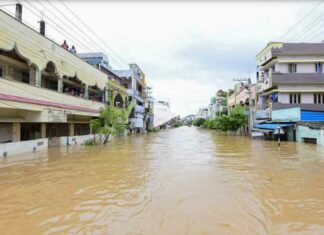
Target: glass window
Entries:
(295, 98)
(292, 68)
(318, 68)
(318, 98)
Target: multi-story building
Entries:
(138, 92)
(46, 92)
(240, 96)
(290, 87)
(202, 113)
(48, 95)
(117, 86)
(221, 101)
(290, 75)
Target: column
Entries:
(60, 85)
(38, 78)
(32, 76)
(71, 129)
(16, 132)
(43, 130)
(86, 92)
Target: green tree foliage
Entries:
(110, 122)
(231, 122)
(199, 122)
(178, 123)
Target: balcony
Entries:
(24, 96)
(117, 86)
(262, 114)
(297, 78)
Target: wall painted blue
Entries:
(306, 132)
(311, 116)
(286, 115)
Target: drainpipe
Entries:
(18, 12)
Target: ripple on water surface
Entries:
(179, 181)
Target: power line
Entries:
(310, 26)
(95, 34)
(56, 26)
(83, 33)
(303, 18)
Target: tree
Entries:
(230, 122)
(198, 122)
(110, 122)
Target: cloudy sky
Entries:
(187, 49)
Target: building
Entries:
(290, 86)
(48, 96)
(240, 96)
(290, 75)
(118, 94)
(138, 92)
(221, 102)
(163, 114)
(46, 92)
(202, 113)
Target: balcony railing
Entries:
(24, 93)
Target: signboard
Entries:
(57, 116)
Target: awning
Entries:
(273, 126)
(262, 130)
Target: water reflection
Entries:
(181, 181)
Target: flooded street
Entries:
(180, 181)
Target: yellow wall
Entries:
(38, 50)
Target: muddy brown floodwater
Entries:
(180, 181)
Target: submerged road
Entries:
(179, 181)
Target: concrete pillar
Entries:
(18, 12)
(86, 92)
(16, 132)
(43, 130)
(60, 85)
(38, 78)
(71, 129)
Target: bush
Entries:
(90, 142)
(198, 122)
(230, 122)
(178, 124)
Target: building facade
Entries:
(138, 93)
(48, 95)
(290, 75)
(290, 88)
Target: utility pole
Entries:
(248, 87)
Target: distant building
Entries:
(138, 92)
(202, 113)
(239, 96)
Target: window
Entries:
(318, 98)
(292, 68)
(318, 68)
(294, 98)
(25, 77)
